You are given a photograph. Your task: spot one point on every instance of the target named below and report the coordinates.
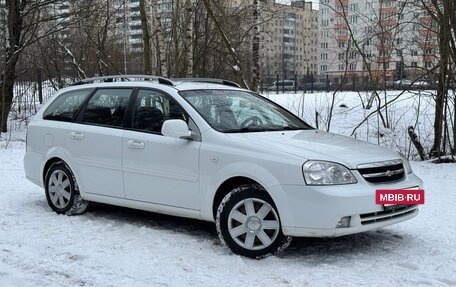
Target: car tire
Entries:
(62, 192)
(248, 223)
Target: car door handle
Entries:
(77, 135)
(136, 144)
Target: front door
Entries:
(159, 169)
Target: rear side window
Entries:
(65, 106)
(107, 107)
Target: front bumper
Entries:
(316, 211)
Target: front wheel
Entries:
(62, 192)
(249, 224)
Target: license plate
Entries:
(409, 196)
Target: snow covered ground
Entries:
(351, 117)
(112, 246)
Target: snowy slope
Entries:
(110, 246)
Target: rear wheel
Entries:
(62, 192)
(249, 224)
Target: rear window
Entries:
(65, 106)
(107, 107)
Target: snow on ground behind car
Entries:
(111, 246)
(414, 108)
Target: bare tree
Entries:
(23, 21)
(442, 12)
(236, 63)
(188, 49)
(146, 37)
(256, 46)
(160, 39)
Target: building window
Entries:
(353, 19)
(136, 36)
(353, 55)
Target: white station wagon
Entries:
(206, 149)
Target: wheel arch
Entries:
(59, 154)
(48, 165)
(230, 184)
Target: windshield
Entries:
(231, 111)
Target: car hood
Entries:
(319, 145)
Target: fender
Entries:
(210, 184)
(60, 152)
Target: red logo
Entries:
(399, 196)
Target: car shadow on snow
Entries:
(382, 241)
(153, 220)
(311, 250)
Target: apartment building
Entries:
(132, 20)
(127, 18)
(288, 42)
(384, 40)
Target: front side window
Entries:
(238, 111)
(152, 108)
(65, 106)
(107, 107)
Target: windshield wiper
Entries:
(288, 128)
(253, 130)
(248, 130)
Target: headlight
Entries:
(407, 166)
(326, 173)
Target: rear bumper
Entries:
(32, 167)
(316, 211)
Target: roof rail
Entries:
(207, 80)
(120, 78)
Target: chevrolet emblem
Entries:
(388, 173)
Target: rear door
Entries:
(50, 131)
(95, 142)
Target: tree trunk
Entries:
(175, 25)
(161, 51)
(188, 53)
(443, 21)
(416, 142)
(146, 37)
(13, 49)
(453, 152)
(256, 47)
(7, 96)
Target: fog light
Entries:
(344, 222)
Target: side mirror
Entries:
(176, 129)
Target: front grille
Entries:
(390, 212)
(382, 172)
